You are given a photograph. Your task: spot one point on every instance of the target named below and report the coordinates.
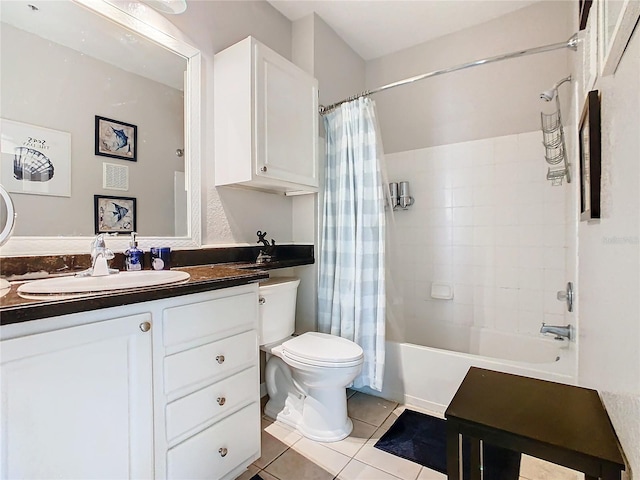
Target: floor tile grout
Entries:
(371, 407)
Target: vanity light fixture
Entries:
(173, 7)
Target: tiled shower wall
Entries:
(486, 221)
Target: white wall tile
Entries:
(462, 236)
(554, 279)
(486, 220)
(484, 316)
(529, 323)
(530, 300)
(530, 257)
(507, 297)
(505, 149)
(507, 277)
(553, 257)
(531, 278)
(462, 197)
(484, 296)
(463, 274)
(507, 256)
(462, 216)
(506, 319)
(507, 235)
(484, 255)
(463, 293)
(462, 314)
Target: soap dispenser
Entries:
(133, 255)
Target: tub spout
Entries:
(560, 332)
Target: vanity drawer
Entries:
(211, 361)
(211, 402)
(213, 317)
(219, 449)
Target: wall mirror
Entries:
(68, 67)
(617, 20)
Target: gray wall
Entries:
(482, 102)
(230, 215)
(340, 71)
(609, 260)
(48, 85)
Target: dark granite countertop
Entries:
(210, 269)
(15, 309)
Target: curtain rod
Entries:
(572, 43)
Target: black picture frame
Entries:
(584, 6)
(114, 214)
(590, 157)
(116, 139)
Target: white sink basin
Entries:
(119, 281)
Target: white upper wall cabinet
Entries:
(266, 120)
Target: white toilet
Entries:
(307, 375)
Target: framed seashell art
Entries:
(35, 160)
(116, 139)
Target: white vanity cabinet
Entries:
(265, 120)
(210, 386)
(167, 389)
(77, 402)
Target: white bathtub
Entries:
(427, 377)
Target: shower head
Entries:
(548, 95)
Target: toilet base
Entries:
(291, 416)
(319, 414)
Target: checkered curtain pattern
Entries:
(351, 288)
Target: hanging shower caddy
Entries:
(553, 138)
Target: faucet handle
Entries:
(98, 241)
(566, 296)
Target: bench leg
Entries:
(453, 451)
(476, 464)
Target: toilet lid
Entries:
(322, 347)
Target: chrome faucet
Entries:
(100, 255)
(560, 332)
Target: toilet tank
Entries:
(277, 308)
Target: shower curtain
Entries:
(351, 287)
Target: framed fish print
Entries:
(35, 160)
(116, 139)
(114, 214)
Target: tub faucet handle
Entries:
(566, 296)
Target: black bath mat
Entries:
(256, 477)
(423, 439)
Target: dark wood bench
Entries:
(562, 424)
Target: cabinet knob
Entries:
(221, 400)
(220, 359)
(145, 326)
(263, 168)
(261, 300)
(222, 451)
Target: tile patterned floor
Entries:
(286, 455)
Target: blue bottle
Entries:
(133, 255)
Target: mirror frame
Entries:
(144, 21)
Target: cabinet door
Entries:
(287, 120)
(77, 402)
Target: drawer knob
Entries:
(220, 359)
(261, 300)
(222, 451)
(263, 168)
(145, 326)
(221, 400)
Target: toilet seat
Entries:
(323, 350)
